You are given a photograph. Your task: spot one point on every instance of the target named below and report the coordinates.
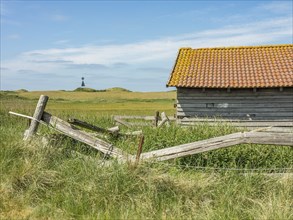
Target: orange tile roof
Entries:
(234, 67)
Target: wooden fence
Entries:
(277, 135)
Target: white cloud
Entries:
(59, 17)
(157, 51)
(59, 42)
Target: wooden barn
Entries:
(254, 83)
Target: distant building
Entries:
(82, 82)
(254, 82)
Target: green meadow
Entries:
(65, 179)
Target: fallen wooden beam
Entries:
(113, 131)
(257, 136)
(274, 138)
(194, 148)
(281, 130)
(123, 122)
(284, 139)
(146, 118)
(236, 123)
(133, 133)
(84, 124)
(96, 143)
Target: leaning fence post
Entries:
(37, 117)
(165, 119)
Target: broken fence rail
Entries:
(121, 119)
(253, 137)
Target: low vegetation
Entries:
(83, 89)
(64, 179)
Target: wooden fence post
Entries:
(139, 150)
(37, 117)
(165, 119)
(157, 117)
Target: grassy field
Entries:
(64, 179)
(99, 103)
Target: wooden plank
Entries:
(66, 128)
(288, 115)
(237, 105)
(133, 133)
(157, 118)
(133, 124)
(202, 149)
(237, 102)
(37, 115)
(123, 122)
(244, 98)
(114, 130)
(147, 118)
(236, 99)
(139, 149)
(187, 119)
(281, 129)
(246, 126)
(285, 139)
(241, 110)
(195, 147)
(165, 120)
(246, 123)
(84, 124)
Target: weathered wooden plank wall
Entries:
(262, 104)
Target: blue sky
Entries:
(50, 45)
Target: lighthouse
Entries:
(82, 82)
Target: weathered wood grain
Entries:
(96, 143)
(233, 101)
(237, 105)
(147, 118)
(165, 120)
(220, 142)
(285, 139)
(255, 115)
(236, 110)
(193, 148)
(84, 124)
(123, 122)
(37, 115)
(265, 103)
(248, 124)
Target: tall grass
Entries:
(64, 179)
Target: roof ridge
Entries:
(239, 47)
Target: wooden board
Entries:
(96, 143)
(237, 105)
(219, 142)
(288, 115)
